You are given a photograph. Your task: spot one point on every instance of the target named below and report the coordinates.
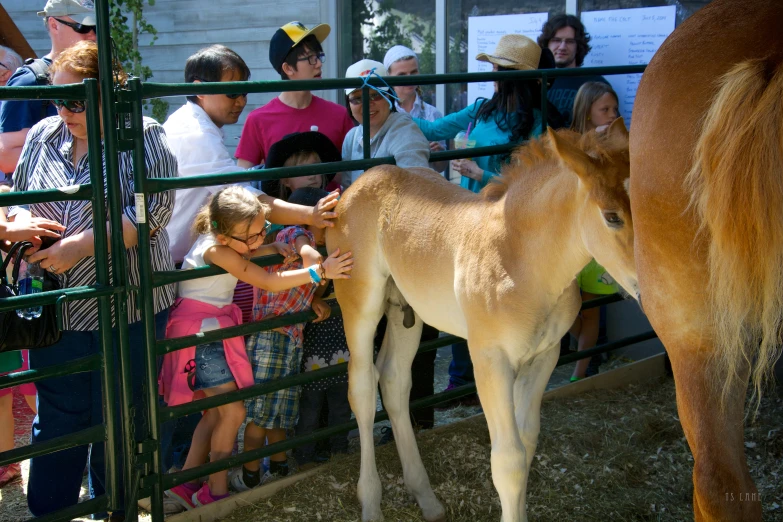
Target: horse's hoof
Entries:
(437, 516)
(372, 516)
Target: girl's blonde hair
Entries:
(587, 95)
(230, 207)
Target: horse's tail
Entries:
(736, 185)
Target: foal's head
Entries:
(601, 162)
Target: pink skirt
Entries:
(25, 389)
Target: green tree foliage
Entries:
(127, 24)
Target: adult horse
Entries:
(707, 201)
(496, 268)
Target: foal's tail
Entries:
(736, 186)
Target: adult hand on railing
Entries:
(285, 250)
(31, 230)
(322, 212)
(468, 168)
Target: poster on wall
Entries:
(484, 32)
(626, 37)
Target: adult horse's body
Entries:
(708, 128)
(496, 268)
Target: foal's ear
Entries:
(617, 128)
(570, 155)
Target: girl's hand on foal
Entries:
(337, 266)
(322, 211)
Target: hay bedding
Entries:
(609, 455)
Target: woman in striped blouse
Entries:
(55, 155)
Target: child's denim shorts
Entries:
(211, 367)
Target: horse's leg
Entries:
(722, 487)
(495, 383)
(362, 308)
(394, 364)
(528, 392)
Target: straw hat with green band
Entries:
(288, 37)
(514, 51)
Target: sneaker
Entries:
(236, 481)
(204, 496)
(10, 474)
(268, 477)
(171, 506)
(183, 494)
(387, 436)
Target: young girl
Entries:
(277, 353)
(232, 229)
(595, 108)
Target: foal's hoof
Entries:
(438, 515)
(372, 516)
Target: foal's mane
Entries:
(530, 156)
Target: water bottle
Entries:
(31, 283)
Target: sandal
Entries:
(10, 474)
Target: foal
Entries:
(496, 268)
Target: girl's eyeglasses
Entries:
(249, 240)
(74, 106)
(79, 28)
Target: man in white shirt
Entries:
(195, 134)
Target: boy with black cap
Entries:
(296, 53)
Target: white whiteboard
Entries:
(484, 32)
(626, 37)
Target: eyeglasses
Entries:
(4, 66)
(249, 240)
(233, 96)
(313, 59)
(74, 106)
(357, 100)
(79, 28)
(557, 41)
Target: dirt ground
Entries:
(606, 456)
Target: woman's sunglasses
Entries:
(249, 240)
(357, 100)
(74, 106)
(79, 28)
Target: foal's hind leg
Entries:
(362, 308)
(394, 364)
(495, 383)
(528, 392)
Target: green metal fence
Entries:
(139, 447)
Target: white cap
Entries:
(361, 69)
(313, 128)
(397, 53)
(80, 11)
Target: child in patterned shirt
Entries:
(277, 353)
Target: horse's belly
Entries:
(436, 304)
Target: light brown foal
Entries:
(711, 104)
(496, 268)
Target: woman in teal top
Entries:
(510, 116)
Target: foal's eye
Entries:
(613, 219)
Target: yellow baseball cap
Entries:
(288, 37)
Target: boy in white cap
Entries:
(296, 54)
(402, 61)
(67, 22)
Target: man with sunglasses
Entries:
(296, 54)
(67, 22)
(566, 37)
(195, 134)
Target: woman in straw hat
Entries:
(510, 116)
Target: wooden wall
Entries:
(184, 26)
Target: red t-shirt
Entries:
(267, 125)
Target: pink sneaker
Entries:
(204, 496)
(10, 474)
(183, 494)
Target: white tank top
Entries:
(215, 290)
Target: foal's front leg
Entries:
(495, 383)
(362, 393)
(394, 363)
(528, 392)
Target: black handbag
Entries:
(26, 334)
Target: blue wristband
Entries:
(314, 277)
